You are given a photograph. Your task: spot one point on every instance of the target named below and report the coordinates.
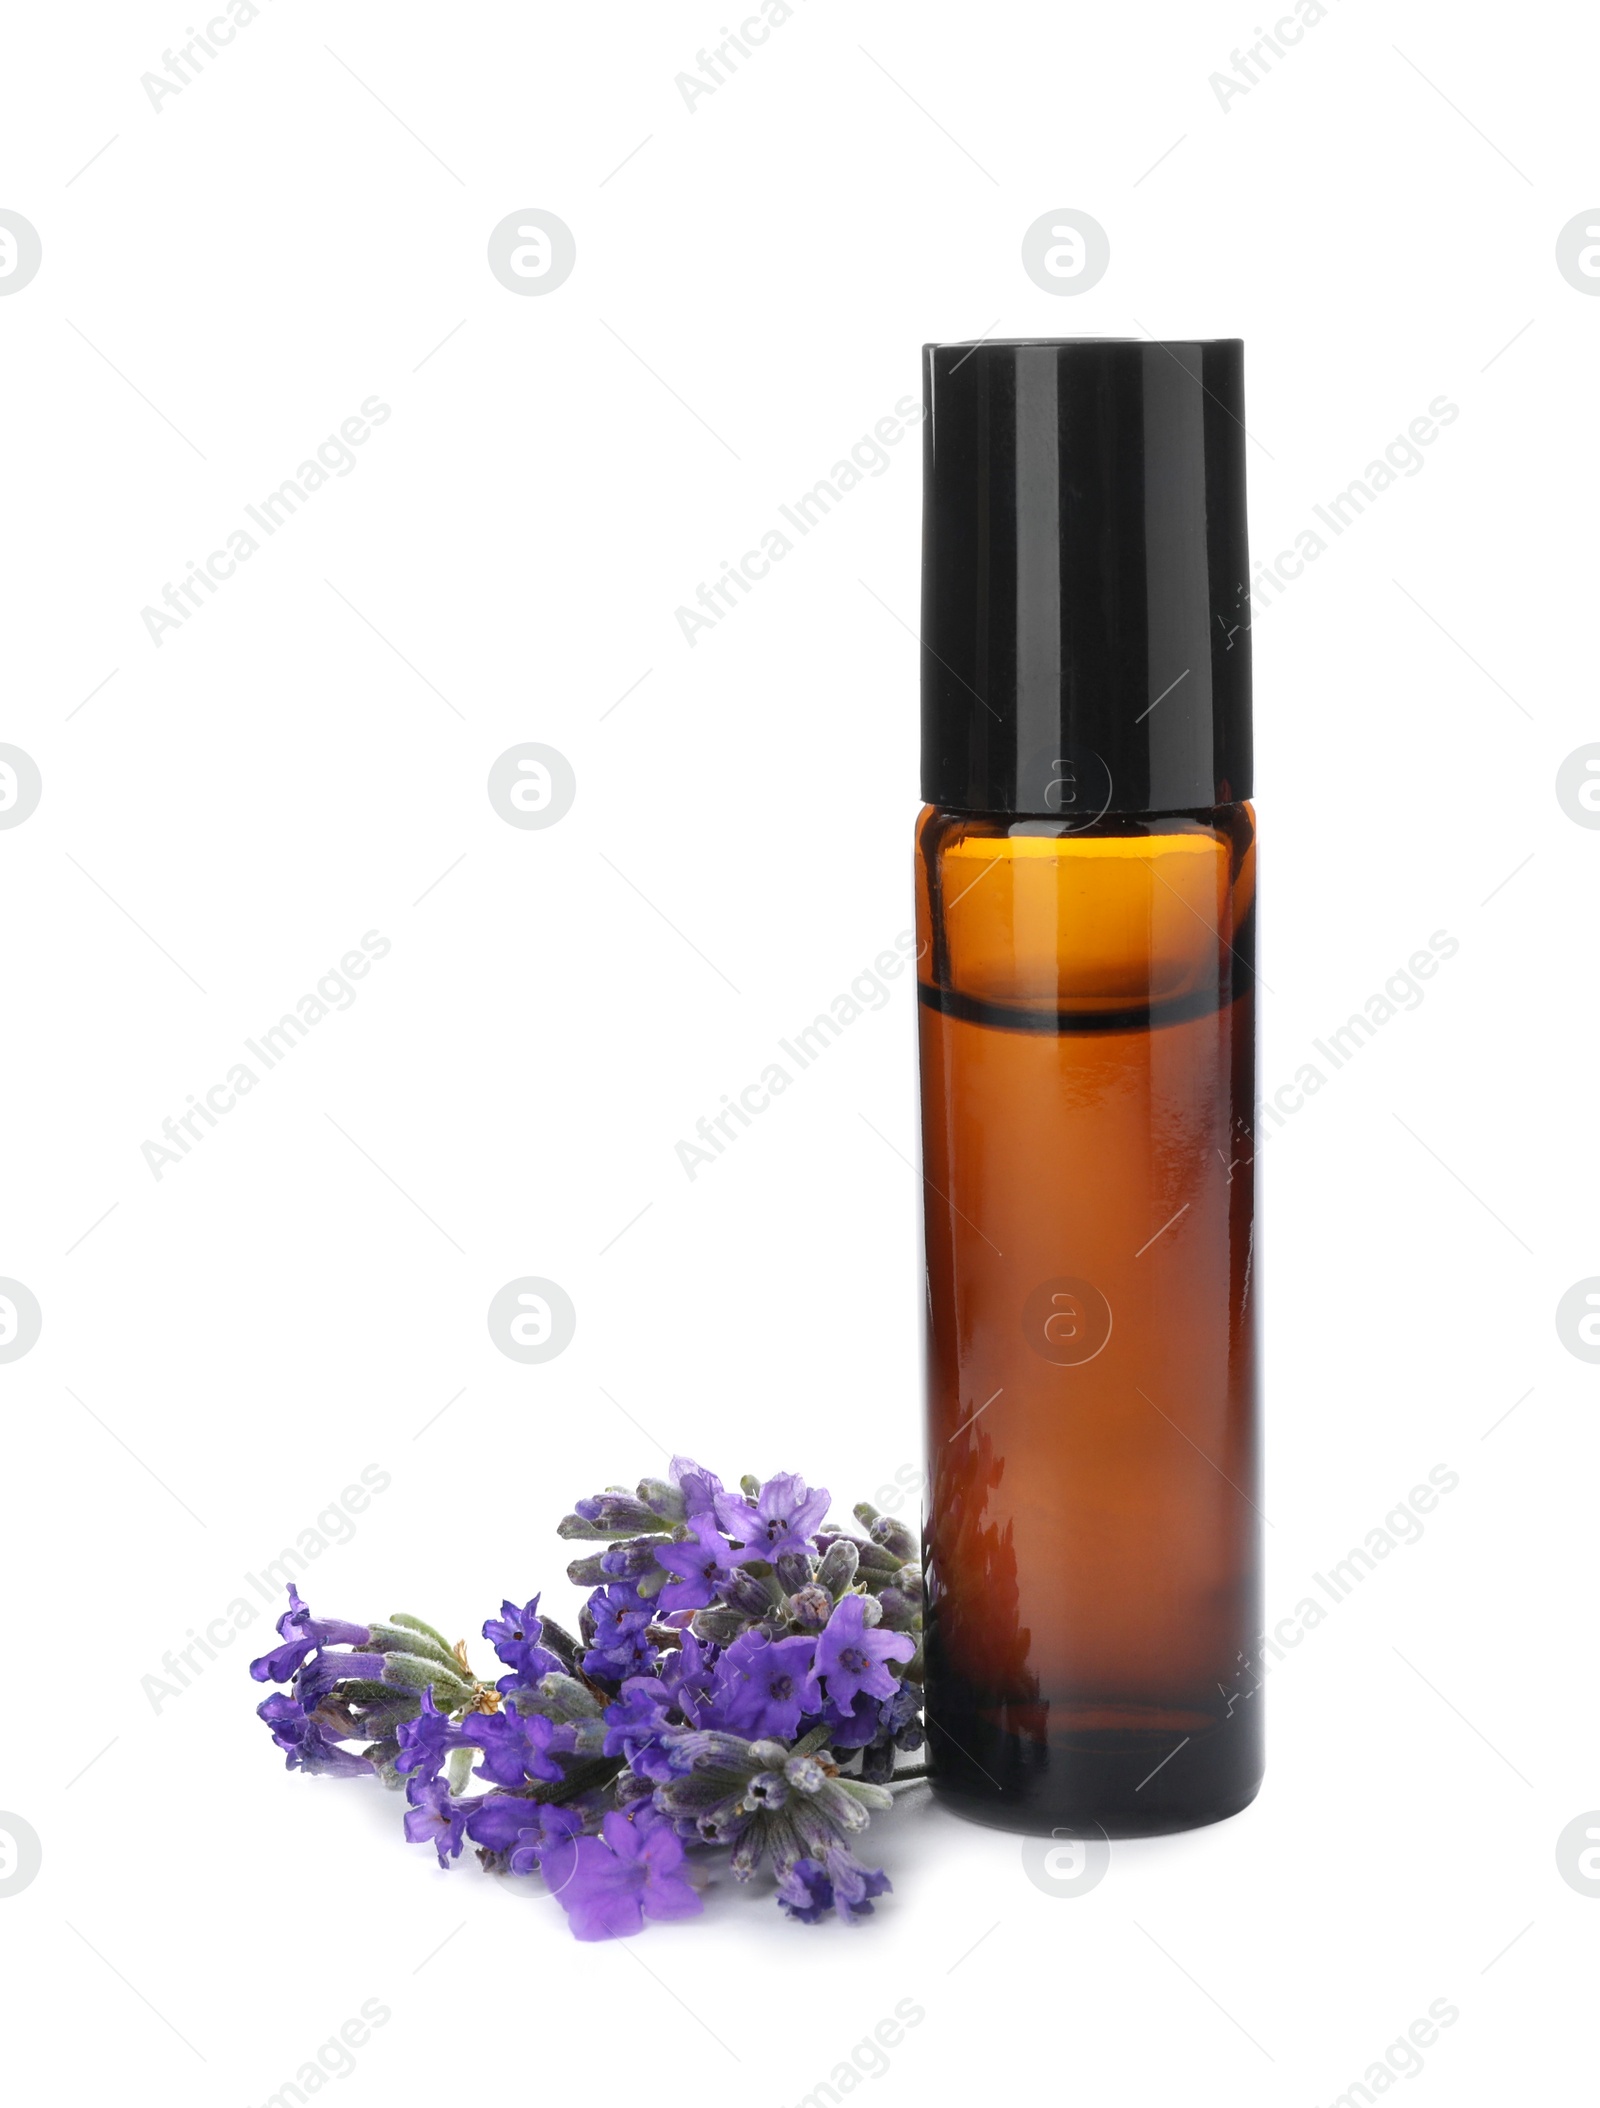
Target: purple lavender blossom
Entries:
(515, 1637)
(854, 1725)
(426, 1741)
(700, 1565)
(620, 1647)
(854, 1885)
(515, 1749)
(699, 1488)
(301, 1633)
(635, 1724)
(761, 1685)
(902, 1716)
(435, 1817)
(308, 1746)
(627, 1874)
(784, 1515)
(316, 1679)
(536, 1837)
(810, 1888)
(686, 1671)
(553, 1851)
(652, 1706)
(805, 1891)
(852, 1656)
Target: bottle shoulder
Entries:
(939, 825)
(1051, 915)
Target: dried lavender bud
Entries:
(897, 1610)
(805, 1774)
(561, 1644)
(614, 1514)
(838, 1568)
(745, 1594)
(810, 1608)
(632, 1786)
(564, 1698)
(873, 1559)
(893, 1535)
(632, 1560)
(717, 1626)
(877, 1763)
(664, 1500)
(768, 1789)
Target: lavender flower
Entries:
(852, 1659)
(699, 1488)
(308, 1746)
(810, 1888)
(857, 1725)
(805, 1891)
(317, 1678)
(426, 1741)
(760, 1683)
(650, 1707)
(515, 1637)
(302, 1634)
(514, 1750)
(854, 1885)
(785, 1511)
(436, 1817)
(701, 1565)
(529, 1836)
(621, 1621)
(629, 1872)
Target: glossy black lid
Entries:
(1085, 609)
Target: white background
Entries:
(304, 760)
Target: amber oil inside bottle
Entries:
(1087, 1036)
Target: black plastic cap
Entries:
(1085, 572)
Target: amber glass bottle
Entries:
(1085, 895)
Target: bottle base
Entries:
(1045, 1819)
(1110, 1783)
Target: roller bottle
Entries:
(1085, 871)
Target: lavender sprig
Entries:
(743, 1680)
